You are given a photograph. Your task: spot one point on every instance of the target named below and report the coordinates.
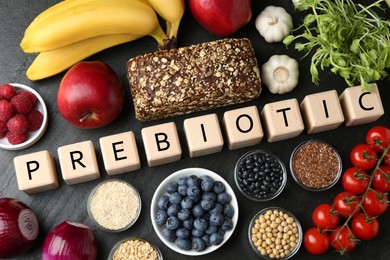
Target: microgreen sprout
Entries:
(349, 38)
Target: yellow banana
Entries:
(58, 8)
(172, 12)
(50, 63)
(91, 19)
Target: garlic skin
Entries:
(274, 23)
(280, 74)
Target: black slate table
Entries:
(69, 202)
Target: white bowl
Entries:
(33, 137)
(161, 191)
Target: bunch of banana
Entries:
(73, 30)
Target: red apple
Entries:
(90, 95)
(221, 17)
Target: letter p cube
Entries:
(36, 172)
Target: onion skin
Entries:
(19, 228)
(70, 240)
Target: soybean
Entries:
(275, 234)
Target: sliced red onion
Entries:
(18, 228)
(70, 240)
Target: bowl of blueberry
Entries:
(260, 175)
(194, 211)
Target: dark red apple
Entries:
(90, 95)
(221, 17)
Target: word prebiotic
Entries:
(36, 172)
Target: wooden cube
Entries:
(120, 153)
(36, 172)
(282, 119)
(78, 162)
(322, 111)
(203, 135)
(161, 143)
(361, 107)
(242, 127)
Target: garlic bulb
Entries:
(274, 23)
(280, 74)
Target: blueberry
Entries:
(171, 187)
(221, 231)
(206, 239)
(175, 198)
(228, 210)
(161, 217)
(207, 184)
(219, 187)
(205, 177)
(193, 181)
(173, 210)
(183, 233)
(197, 211)
(224, 198)
(188, 223)
(207, 204)
(163, 202)
(197, 232)
(182, 189)
(198, 244)
(201, 224)
(187, 203)
(168, 234)
(193, 191)
(209, 195)
(211, 229)
(184, 244)
(217, 208)
(216, 219)
(216, 239)
(172, 223)
(183, 214)
(227, 224)
(182, 180)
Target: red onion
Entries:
(70, 240)
(18, 228)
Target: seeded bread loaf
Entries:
(179, 81)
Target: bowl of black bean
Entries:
(260, 175)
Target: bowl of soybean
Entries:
(275, 233)
(260, 175)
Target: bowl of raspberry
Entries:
(194, 211)
(23, 116)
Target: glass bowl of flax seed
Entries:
(315, 165)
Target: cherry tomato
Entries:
(342, 240)
(363, 157)
(324, 217)
(355, 180)
(346, 204)
(381, 180)
(378, 137)
(375, 203)
(364, 227)
(387, 159)
(316, 242)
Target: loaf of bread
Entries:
(179, 81)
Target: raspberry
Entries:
(7, 91)
(30, 96)
(3, 126)
(14, 138)
(6, 110)
(18, 124)
(35, 119)
(3, 134)
(21, 104)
